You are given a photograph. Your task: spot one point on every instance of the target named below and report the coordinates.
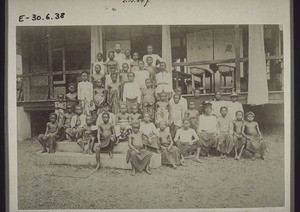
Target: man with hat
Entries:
(234, 106)
(207, 129)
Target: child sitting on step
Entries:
(48, 140)
(86, 141)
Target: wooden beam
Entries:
(208, 62)
(50, 68)
(53, 73)
(237, 42)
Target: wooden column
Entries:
(237, 43)
(50, 68)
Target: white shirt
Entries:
(148, 128)
(208, 124)
(233, 107)
(182, 102)
(155, 57)
(140, 77)
(186, 135)
(164, 82)
(132, 91)
(177, 113)
(85, 90)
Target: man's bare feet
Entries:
(182, 163)
(98, 167)
(223, 156)
(111, 155)
(147, 171)
(44, 150)
(198, 160)
(174, 166)
(133, 172)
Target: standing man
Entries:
(155, 57)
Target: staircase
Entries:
(69, 153)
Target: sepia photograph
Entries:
(150, 116)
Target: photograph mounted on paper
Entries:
(150, 116)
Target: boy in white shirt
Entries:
(85, 93)
(131, 92)
(141, 75)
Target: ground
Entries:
(214, 183)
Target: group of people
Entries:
(126, 101)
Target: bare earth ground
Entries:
(215, 183)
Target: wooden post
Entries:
(50, 68)
(177, 76)
(237, 41)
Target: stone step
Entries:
(66, 146)
(71, 158)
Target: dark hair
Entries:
(72, 84)
(53, 114)
(186, 119)
(104, 113)
(223, 107)
(131, 73)
(149, 57)
(84, 72)
(239, 111)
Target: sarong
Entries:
(170, 157)
(139, 161)
(114, 101)
(130, 103)
(186, 148)
(150, 109)
(173, 129)
(238, 142)
(152, 142)
(256, 146)
(225, 143)
(207, 141)
(48, 140)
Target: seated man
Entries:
(207, 129)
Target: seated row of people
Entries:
(202, 136)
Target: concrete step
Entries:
(66, 146)
(71, 158)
